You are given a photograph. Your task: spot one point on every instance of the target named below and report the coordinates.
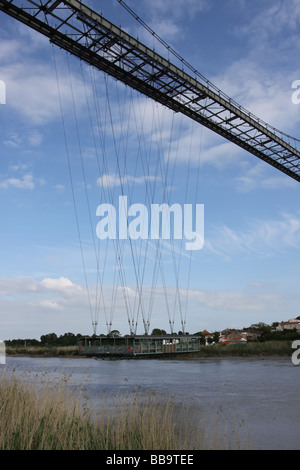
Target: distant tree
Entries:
(115, 333)
(68, 339)
(49, 340)
(286, 335)
(216, 337)
(158, 331)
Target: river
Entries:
(257, 397)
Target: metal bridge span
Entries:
(73, 26)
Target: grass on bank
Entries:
(35, 416)
(42, 351)
(251, 349)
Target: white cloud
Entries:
(35, 138)
(32, 308)
(60, 285)
(167, 29)
(20, 166)
(202, 147)
(113, 180)
(234, 300)
(260, 79)
(257, 177)
(13, 140)
(28, 286)
(261, 237)
(168, 19)
(8, 49)
(278, 16)
(49, 304)
(32, 90)
(265, 92)
(60, 187)
(178, 9)
(25, 182)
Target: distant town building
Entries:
(233, 337)
(293, 324)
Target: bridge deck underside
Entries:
(79, 30)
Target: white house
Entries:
(293, 324)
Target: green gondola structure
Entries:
(138, 346)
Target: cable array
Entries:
(134, 144)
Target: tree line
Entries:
(50, 339)
(70, 339)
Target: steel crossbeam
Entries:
(76, 28)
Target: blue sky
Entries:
(248, 270)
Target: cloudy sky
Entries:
(73, 138)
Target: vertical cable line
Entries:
(71, 183)
(117, 245)
(123, 194)
(99, 283)
(83, 171)
(159, 243)
(159, 252)
(158, 267)
(101, 135)
(146, 172)
(183, 318)
(101, 127)
(147, 198)
(123, 149)
(195, 201)
(138, 253)
(115, 242)
(167, 197)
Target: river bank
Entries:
(251, 349)
(227, 403)
(53, 418)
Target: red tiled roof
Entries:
(206, 333)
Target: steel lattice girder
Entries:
(74, 27)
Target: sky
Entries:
(73, 138)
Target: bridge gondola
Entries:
(138, 346)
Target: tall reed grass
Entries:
(43, 351)
(35, 416)
(251, 349)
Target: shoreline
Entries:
(270, 349)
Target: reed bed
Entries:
(35, 415)
(42, 351)
(251, 349)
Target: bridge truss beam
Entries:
(74, 27)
